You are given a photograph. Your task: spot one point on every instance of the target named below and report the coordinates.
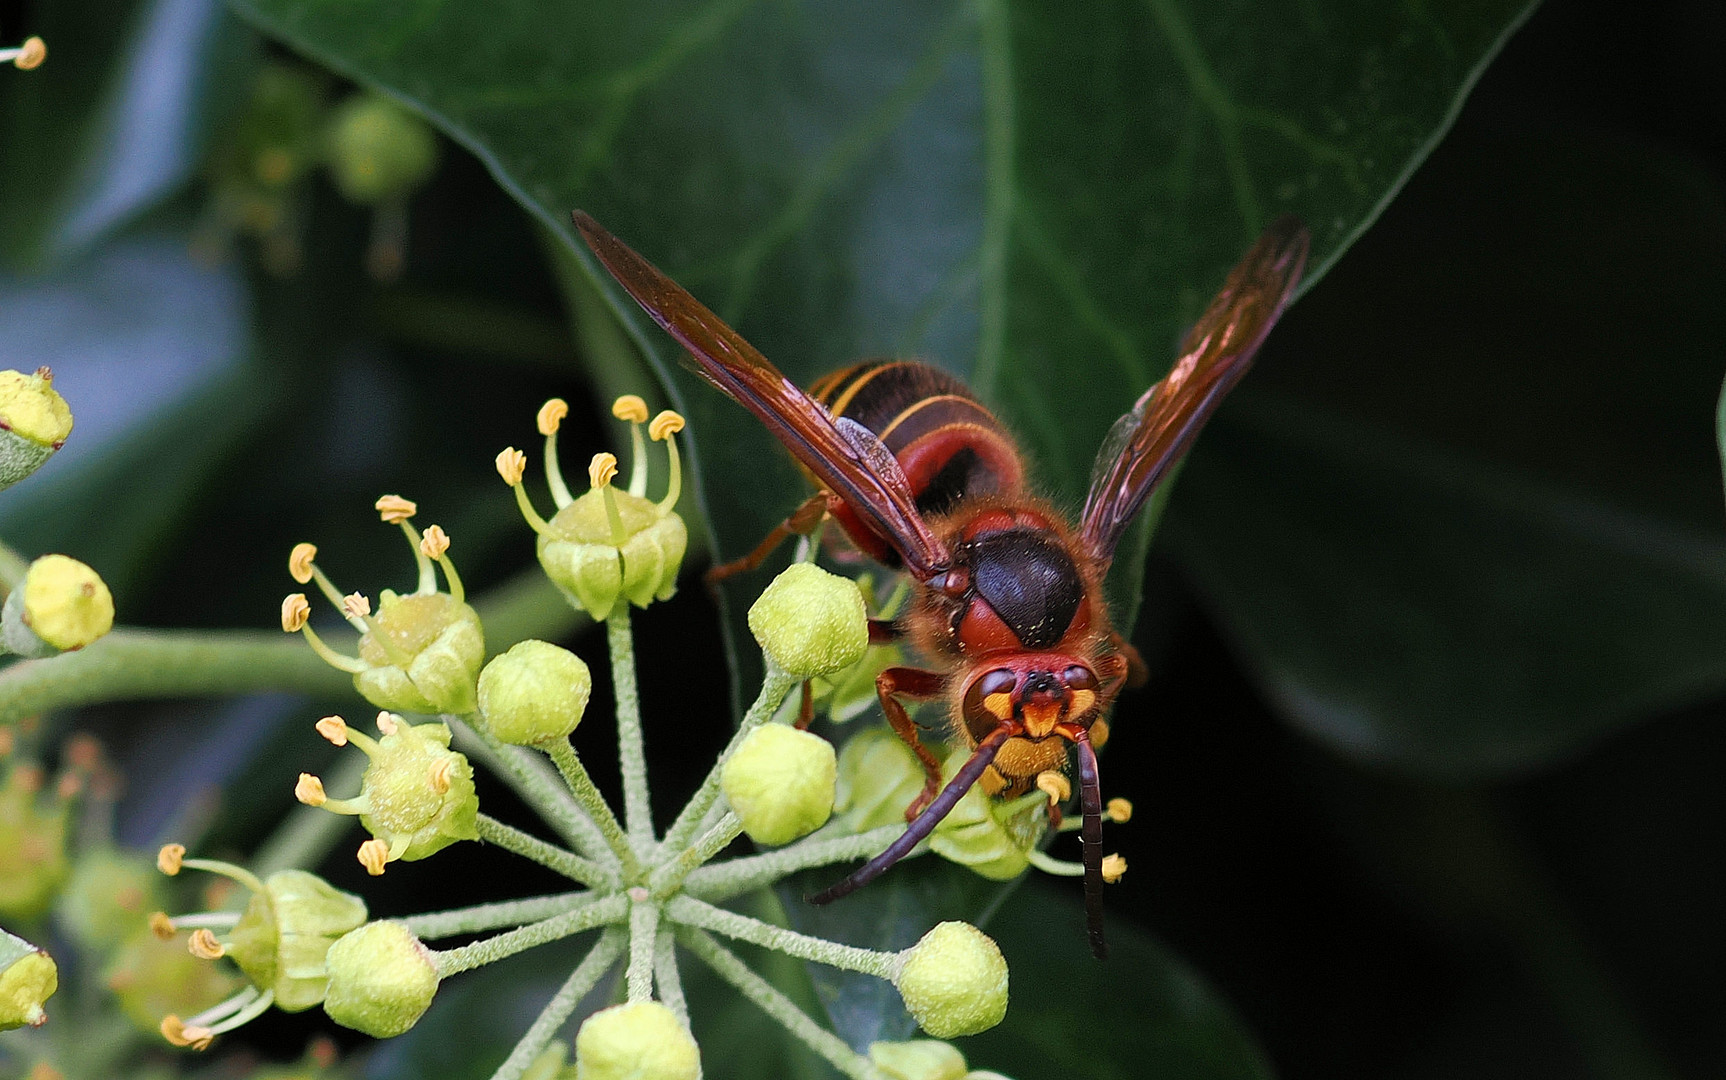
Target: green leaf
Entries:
(1140, 1013)
(1470, 545)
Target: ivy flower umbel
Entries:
(420, 652)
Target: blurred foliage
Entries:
(1461, 530)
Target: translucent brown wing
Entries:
(844, 461)
(1145, 442)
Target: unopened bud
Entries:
(780, 783)
(533, 693)
(108, 895)
(28, 978)
(642, 1040)
(954, 981)
(34, 418)
(919, 1059)
(381, 979)
(379, 151)
(810, 622)
(61, 605)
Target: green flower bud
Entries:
(379, 151)
(780, 783)
(108, 897)
(416, 797)
(954, 981)
(34, 422)
(878, 777)
(533, 693)
(642, 1040)
(551, 1063)
(578, 553)
(920, 1059)
(152, 977)
(281, 940)
(28, 978)
(33, 863)
(810, 622)
(443, 645)
(61, 605)
(381, 980)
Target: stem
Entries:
(721, 881)
(483, 917)
(643, 932)
(768, 998)
(773, 690)
(567, 863)
(308, 833)
(692, 912)
(601, 911)
(587, 793)
(524, 773)
(665, 974)
(631, 753)
(667, 878)
(581, 980)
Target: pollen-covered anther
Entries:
(551, 416)
(356, 605)
(310, 790)
(440, 775)
(296, 609)
(602, 469)
(203, 945)
(373, 854)
(1057, 787)
(511, 464)
(1113, 867)
(25, 57)
(170, 857)
(161, 926)
(665, 425)
(394, 509)
(335, 729)
(631, 408)
(300, 562)
(177, 1032)
(434, 543)
(1119, 811)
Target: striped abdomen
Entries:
(949, 445)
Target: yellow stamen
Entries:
(25, 57)
(356, 605)
(1055, 786)
(665, 425)
(388, 723)
(176, 1032)
(203, 945)
(161, 925)
(310, 790)
(300, 562)
(551, 416)
(170, 858)
(296, 609)
(1113, 867)
(602, 469)
(373, 854)
(440, 775)
(394, 509)
(511, 464)
(435, 542)
(1119, 811)
(335, 729)
(631, 408)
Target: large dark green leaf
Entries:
(1467, 517)
(1140, 1013)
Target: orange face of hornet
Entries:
(1008, 610)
